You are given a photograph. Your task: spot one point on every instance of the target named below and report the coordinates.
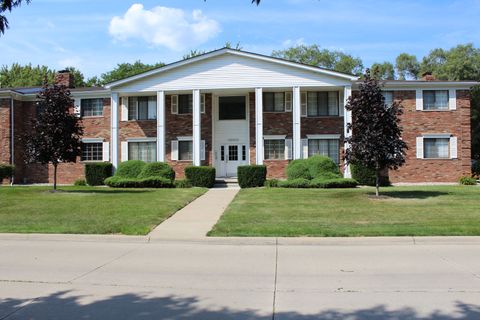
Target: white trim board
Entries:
(323, 136)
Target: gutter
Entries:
(12, 138)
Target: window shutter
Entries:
(419, 147)
(202, 150)
(77, 106)
(124, 108)
(288, 101)
(124, 146)
(452, 100)
(174, 104)
(304, 144)
(288, 149)
(453, 148)
(419, 100)
(202, 103)
(303, 103)
(106, 152)
(341, 104)
(174, 154)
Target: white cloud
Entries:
(293, 42)
(161, 26)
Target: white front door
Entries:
(232, 156)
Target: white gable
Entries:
(229, 71)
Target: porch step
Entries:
(226, 183)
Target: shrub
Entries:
(130, 169)
(294, 183)
(298, 169)
(157, 169)
(366, 176)
(120, 182)
(201, 176)
(333, 183)
(468, 181)
(251, 176)
(155, 182)
(96, 173)
(6, 171)
(319, 166)
(273, 183)
(476, 168)
(184, 183)
(80, 183)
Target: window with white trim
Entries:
(145, 151)
(322, 103)
(274, 149)
(435, 100)
(274, 101)
(185, 150)
(436, 148)
(92, 151)
(92, 107)
(185, 103)
(388, 96)
(142, 108)
(325, 147)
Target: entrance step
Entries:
(226, 183)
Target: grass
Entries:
(89, 210)
(404, 211)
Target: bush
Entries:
(6, 171)
(155, 182)
(298, 169)
(251, 176)
(157, 169)
(468, 181)
(182, 183)
(130, 169)
(321, 166)
(151, 182)
(80, 183)
(476, 168)
(294, 183)
(366, 176)
(96, 173)
(333, 183)
(201, 176)
(273, 183)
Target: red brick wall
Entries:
(5, 132)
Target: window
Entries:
(274, 101)
(435, 100)
(435, 148)
(322, 104)
(92, 151)
(232, 153)
(145, 151)
(232, 108)
(324, 147)
(142, 108)
(274, 149)
(92, 107)
(388, 95)
(244, 153)
(185, 103)
(185, 150)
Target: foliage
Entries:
(201, 176)
(8, 5)
(150, 182)
(251, 176)
(475, 123)
(157, 169)
(130, 169)
(476, 168)
(333, 183)
(298, 169)
(27, 75)
(294, 183)
(156, 182)
(315, 56)
(125, 70)
(407, 66)
(376, 133)
(183, 183)
(97, 172)
(6, 171)
(193, 53)
(272, 183)
(314, 167)
(55, 135)
(383, 71)
(367, 176)
(80, 183)
(467, 181)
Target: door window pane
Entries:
(145, 151)
(185, 150)
(232, 108)
(232, 153)
(274, 149)
(436, 147)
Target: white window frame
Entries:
(320, 137)
(136, 108)
(288, 148)
(452, 146)
(125, 146)
(384, 93)
(452, 99)
(94, 140)
(175, 148)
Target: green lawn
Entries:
(89, 210)
(408, 211)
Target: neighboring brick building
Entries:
(227, 108)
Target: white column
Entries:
(161, 126)
(259, 125)
(114, 129)
(196, 128)
(347, 118)
(296, 113)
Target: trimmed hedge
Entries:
(312, 168)
(97, 172)
(298, 169)
(476, 168)
(80, 183)
(151, 182)
(468, 181)
(294, 183)
(272, 183)
(130, 169)
(184, 183)
(157, 169)
(201, 176)
(6, 171)
(333, 183)
(251, 176)
(366, 176)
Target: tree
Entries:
(315, 56)
(193, 53)
(376, 133)
(7, 5)
(125, 70)
(24, 76)
(383, 71)
(56, 132)
(407, 66)
(79, 79)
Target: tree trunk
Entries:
(55, 177)
(377, 182)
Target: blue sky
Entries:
(95, 35)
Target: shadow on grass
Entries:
(65, 305)
(411, 194)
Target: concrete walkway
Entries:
(198, 217)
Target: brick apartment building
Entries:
(228, 108)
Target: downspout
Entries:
(12, 137)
